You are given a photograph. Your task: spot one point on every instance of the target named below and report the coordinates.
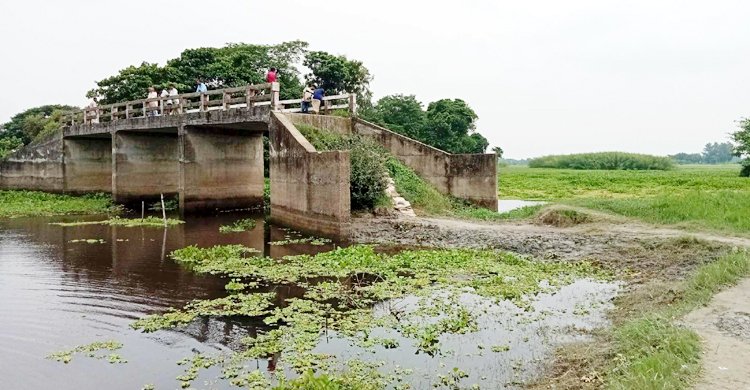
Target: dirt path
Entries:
(724, 326)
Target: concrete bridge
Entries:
(207, 149)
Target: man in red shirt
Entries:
(271, 75)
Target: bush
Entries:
(604, 160)
(745, 171)
(368, 170)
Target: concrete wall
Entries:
(88, 165)
(220, 168)
(38, 166)
(467, 176)
(333, 123)
(309, 189)
(144, 165)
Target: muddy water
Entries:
(57, 292)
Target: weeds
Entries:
(34, 203)
(238, 226)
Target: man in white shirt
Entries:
(152, 107)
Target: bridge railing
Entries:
(217, 99)
(346, 101)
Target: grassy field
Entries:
(695, 196)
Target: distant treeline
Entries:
(603, 160)
(713, 153)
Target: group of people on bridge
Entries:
(312, 97)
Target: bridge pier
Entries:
(144, 165)
(87, 165)
(220, 168)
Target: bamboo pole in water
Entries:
(163, 211)
(143, 210)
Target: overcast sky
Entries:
(545, 77)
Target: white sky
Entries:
(650, 76)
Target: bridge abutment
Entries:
(88, 165)
(144, 165)
(220, 168)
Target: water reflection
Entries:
(57, 292)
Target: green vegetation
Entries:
(703, 196)
(713, 153)
(126, 222)
(427, 199)
(603, 160)
(655, 353)
(447, 124)
(33, 203)
(238, 226)
(368, 170)
(340, 288)
(742, 150)
(31, 125)
(91, 350)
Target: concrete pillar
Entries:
(144, 165)
(220, 168)
(88, 165)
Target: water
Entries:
(58, 293)
(505, 205)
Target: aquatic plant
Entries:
(91, 350)
(126, 222)
(238, 226)
(340, 288)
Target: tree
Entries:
(233, 65)
(448, 125)
(30, 124)
(400, 113)
(337, 74)
(717, 153)
(742, 147)
(8, 145)
(498, 151)
(687, 158)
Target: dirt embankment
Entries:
(651, 259)
(640, 250)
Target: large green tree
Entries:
(447, 124)
(233, 65)
(450, 125)
(742, 147)
(400, 113)
(337, 74)
(35, 122)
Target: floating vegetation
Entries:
(126, 222)
(88, 241)
(422, 297)
(91, 350)
(169, 205)
(305, 240)
(239, 226)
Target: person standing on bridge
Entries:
(201, 87)
(317, 99)
(175, 102)
(152, 107)
(167, 107)
(272, 75)
(306, 99)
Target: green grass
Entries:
(33, 203)
(652, 352)
(426, 199)
(603, 160)
(701, 197)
